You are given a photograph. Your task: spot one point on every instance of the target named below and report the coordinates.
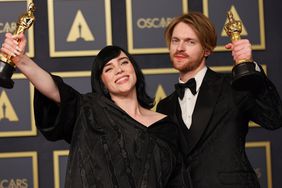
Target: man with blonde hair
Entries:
(212, 116)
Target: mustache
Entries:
(181, 54)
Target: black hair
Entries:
(104, 56)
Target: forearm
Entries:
(267, 110)
(40, 79)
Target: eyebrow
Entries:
(188, 38)
(119, 59)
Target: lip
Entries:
(122, 79)
(180, 57)
(180, 54)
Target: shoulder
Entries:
(167, 104)
(212, 74)
(153, 116)
(168, 99)
(224, 82)
(219, 79)
(94, 100)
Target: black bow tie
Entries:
(180, 88)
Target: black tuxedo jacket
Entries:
(214, 146)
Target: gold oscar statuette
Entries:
(7, 67)
(245, 76)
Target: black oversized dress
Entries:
(108, 147)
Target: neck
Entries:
(128, 103)
(185, 76)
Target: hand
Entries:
(241, 50)
(14, 47)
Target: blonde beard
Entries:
(189, 67)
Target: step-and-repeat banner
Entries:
(82, 28)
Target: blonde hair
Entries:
(201, 25)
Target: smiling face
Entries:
(119, 76)
(186, 52)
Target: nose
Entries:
(180, 46)
(119, 69)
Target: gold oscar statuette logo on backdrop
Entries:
(245, 76)
(7, 67)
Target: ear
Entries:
(105, 91)
(207, 53)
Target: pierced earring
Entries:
(105, 91)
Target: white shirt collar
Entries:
(198, 77)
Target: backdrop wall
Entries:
(67, 35)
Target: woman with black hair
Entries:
(115, 139)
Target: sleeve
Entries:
(265, 107)
(56, 121)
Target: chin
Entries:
(180, 66)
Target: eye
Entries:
(174, 41)
(191, 42)
(124, 62)
(107, 69)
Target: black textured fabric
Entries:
(108, 147)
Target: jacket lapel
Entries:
(206, 101)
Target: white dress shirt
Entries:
(187, 104)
